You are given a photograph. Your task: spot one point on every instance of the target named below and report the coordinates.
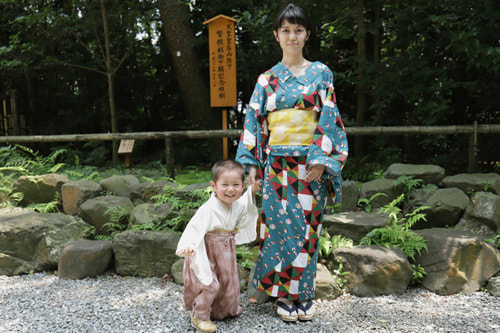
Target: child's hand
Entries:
(186, 253)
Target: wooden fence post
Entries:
(472, 165)
(169, 156)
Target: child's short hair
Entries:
(227, 165)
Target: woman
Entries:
(294, 138)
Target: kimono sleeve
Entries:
(329, 146)
(194, 237)
(255, 132)
(247, 219)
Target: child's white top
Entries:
(212, 215)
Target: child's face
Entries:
(228, 187)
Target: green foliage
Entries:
(340, 275)
(418, 275)
(327, 244)
(397, 232)
(366, 204)
(246, 255)
(49, 207)
(24, 161)
(495, 241)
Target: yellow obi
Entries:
(292, 127)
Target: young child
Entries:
(228, 218)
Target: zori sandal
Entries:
(203, 325)
(305, 310)
(286, 309)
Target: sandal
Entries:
(286, 309)
(203, 325)
(305, 310)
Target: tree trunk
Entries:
(361, 87)
(180, 40)
(109, 76)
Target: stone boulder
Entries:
(374, 270)
(76, 192)
(151, 213)
(446, 206)
(120, 185)
(96, 211)
(353, 225)
(381, 185)
(473, 182)
(485, 208)
(85, 258)
(33, 242)
(142, 192)
(493, 286)
(430, 174)
(145, 253)
(177, 271)
(326, 286)
(456, 261)
(39, 189)
(350, 196)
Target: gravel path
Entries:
(44, 303)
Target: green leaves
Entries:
(397, 232)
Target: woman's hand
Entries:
(254, 179)
(314, 173)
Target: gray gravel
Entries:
(44, 303)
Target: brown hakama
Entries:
(221, 298)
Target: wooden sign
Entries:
(222, 48)
(126, 146)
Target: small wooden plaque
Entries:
(126, 146)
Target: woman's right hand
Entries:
(253, 175)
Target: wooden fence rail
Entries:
(472, 130)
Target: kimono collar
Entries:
(283, 74)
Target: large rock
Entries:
(326, 286)
(381, 185)
(39, 189)
(350, 196)
(76, 192)
(485, 208)
(33, 242)
(429, 174)
(353, 225)
(145, 253)
(473, 182)
(456, 261)
(142, 192)
(374, 270)
(446, 206)
(85, 258)
(151, 213)
(96, 211)
(120, 185)
(493, 286)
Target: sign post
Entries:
(222, 48)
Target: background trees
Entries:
(395, 63)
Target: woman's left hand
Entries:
(314, 173)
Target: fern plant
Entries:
(366, 204)
(397, 232)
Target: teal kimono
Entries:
(292, 123)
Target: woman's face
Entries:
(292, 37)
